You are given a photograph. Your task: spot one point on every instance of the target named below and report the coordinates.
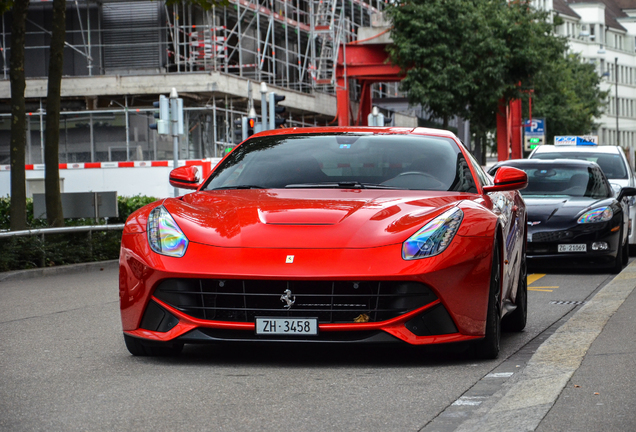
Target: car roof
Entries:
(577, 149)
(359, 129)
(550, 162)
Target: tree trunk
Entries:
(54, 214)
(445, 122)
(17, 213)
(484, 148)
(478, 150)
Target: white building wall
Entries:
(139, 180)
(605, 46)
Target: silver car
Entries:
(612, 161)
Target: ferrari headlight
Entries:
(164, 235)
(601, 214)
(434, 237)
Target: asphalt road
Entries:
(64, 366)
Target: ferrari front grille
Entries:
(330, 301)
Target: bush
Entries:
(58, 249)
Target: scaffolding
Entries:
(289, 44)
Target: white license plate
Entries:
(573, 247)
(286, 326)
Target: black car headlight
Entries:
(164, 235)
(434, 237)
(601, 214)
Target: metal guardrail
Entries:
(79, 228)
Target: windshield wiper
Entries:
(239, 187)
(340, 185)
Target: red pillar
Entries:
(509, 130)
(342, 96)
(516, 129)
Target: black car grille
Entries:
(551, 236)
(330, 301)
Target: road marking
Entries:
(543, 289)
(500, 375)
(532, 278)
(469, 400)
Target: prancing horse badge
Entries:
(290, 259)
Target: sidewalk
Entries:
(601, 395)
(592, 352)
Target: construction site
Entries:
(121, 55)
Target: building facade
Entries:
(604, 33)
(121, 55)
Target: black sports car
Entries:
(574, 215)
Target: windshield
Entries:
(612, 164)
(345, 161)
(558, 180)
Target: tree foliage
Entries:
(567, 94)
(461, 57)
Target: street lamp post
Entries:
(618, 134)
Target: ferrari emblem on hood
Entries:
(289, 259)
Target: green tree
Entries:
(462, 57)
(53, 197)
(567, 94)
(18, 113)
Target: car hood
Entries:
(302, 218)
(558, 211)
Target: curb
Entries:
(58, 270)
(524, 402)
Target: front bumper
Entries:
(458, 281)
(543, 246)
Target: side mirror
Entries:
(508, 179)
(625, 192)
(185, 177)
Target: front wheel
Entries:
(488, 347)
(618, 263)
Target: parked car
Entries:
(612, 161)
(574, 217)
(329, 235)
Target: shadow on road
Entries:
(317, 356)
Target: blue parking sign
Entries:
(536, 126)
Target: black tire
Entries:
(617, 267)
(151, 349)
(626, 252)
(488, 347)
(517, 319)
